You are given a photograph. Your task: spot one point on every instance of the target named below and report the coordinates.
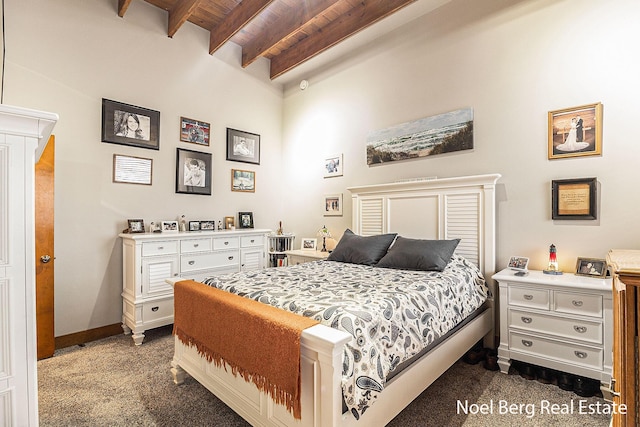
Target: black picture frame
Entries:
(115, 117)
(193, 172)
(574, 199)
(194, 225)
(136, 225)
(245, 219)
(243, 146)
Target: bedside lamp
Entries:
(324, 233)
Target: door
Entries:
(44, 190)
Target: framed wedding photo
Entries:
(574, 198)
(575, 131)
(130, 125)
(193, 172)
(243, 146)
(194, 131)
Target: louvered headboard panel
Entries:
(448, 208)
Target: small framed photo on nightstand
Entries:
(519, 263)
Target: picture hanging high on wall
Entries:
(243, 146)
(575, 132)
(443, 133)
(130, 125)
(194, 131)
(193, 172)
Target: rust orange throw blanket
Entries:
(257, 341)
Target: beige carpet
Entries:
(111, 382)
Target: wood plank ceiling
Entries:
(287, 32)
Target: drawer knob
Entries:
(195, 245)
(154, 308)
(231, 258)
(160, 248)
(526, 319)
(226, 243)
(528, 297)
(527, 343)
(191, 262)
(576, 303)
(580, 354)
(252, 240)
(580, 329)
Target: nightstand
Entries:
(561, 322)
(299, 256)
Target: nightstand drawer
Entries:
(195, 245)
(591, 357)
(569, 328)
(583, 304)
(527, 297)
(160, 248)
(208, 261)
(226, 243)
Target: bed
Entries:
(460, 209)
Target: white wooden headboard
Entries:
(448, 208)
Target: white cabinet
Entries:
(562, 322)
(150, 258)
(23, 135)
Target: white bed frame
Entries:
(462, 207)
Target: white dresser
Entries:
(23, 136)
(561, 322)
(150, 258)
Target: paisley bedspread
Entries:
(390, 314)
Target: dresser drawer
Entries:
(209, 260)
(195, 245)
(573, 354)
(527, 297)
(220, 243)
(156, 310)
(580, 330)
(251, 241)
(582, 304)
(160, 248)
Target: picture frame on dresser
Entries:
(131, 125)
(193, 172)
(245, 219)
(136, 225)
(591, 267)
(194, 225)
(207, 225)
(170, 226)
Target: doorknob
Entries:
(45, 259)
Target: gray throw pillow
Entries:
(418, 254)
(356, 249)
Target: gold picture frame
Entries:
(575, 131)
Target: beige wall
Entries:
(65, 56)
(512, 65)
(511, 61)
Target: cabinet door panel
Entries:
(154, 272)
(251, 260)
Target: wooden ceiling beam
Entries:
(234, 21)
(123, 5)
(285, 26)
(361, 16)
(180, 13)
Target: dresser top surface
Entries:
(192, 234)
(569, 280)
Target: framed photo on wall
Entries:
(194, 131)
(193, 172)
(243, 181)
(333, 204)
(243, 146)
(574, 198)
(132, 170)
(575, 131)
(333, 165)
(130, 125)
